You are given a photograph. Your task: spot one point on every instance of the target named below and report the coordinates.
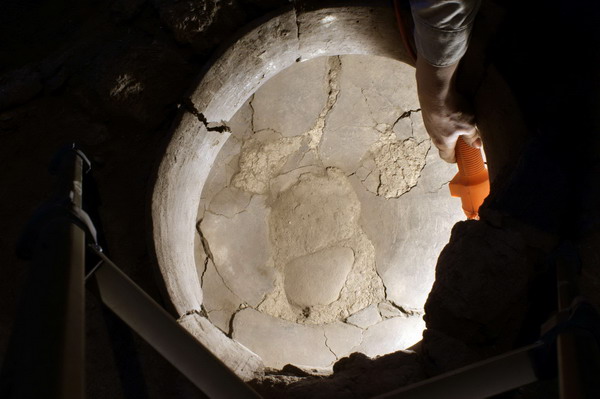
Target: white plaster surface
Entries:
(342, 338)
(274, 109)
(288, 342)
(240, 248)
(365, 318)
(318, 278)
(391, 335)
(330, 227)
(382, 243)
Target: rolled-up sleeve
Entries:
(443, 28)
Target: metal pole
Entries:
(46, 351)
(568, 367)
(480, 380)
(162, 332)
(578, 352)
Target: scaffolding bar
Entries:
(148, 319)
(477, 381)
(45, 357)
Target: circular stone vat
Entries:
(307, 225)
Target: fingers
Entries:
(473, 138)
(448, 155)
(446, 147)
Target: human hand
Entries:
(446, 114)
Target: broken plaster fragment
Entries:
(377, 339)
(342, 338)
(261, 160)
(366, 317)
(398, 165)
(316, 279)
(245, 267)
(387, 310)
(229, 202)
(279, 342)
(320, 211)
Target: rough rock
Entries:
(19, 86)
(201, 23)
(126, 87)
(353, 378)
(480, 264)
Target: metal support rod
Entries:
(46, 351)
(577, 349)
(162, 332)
(480, 380)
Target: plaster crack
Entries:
(327, 345)
(189, 106)
(200, 312)
(252, 113)
(407, 114)
(406, 311)
(364, 96)
(297, 21)
(439, 188)
(204, 271)
(210, 256)
(225, 216)
(316, 133)
(240, 308)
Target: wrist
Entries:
(434, 83)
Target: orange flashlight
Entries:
(472, 182)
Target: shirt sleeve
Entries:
(443, 28)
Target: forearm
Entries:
(434, 83)
(442, 29)
(446, 114)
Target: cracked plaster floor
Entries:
(323, 216)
